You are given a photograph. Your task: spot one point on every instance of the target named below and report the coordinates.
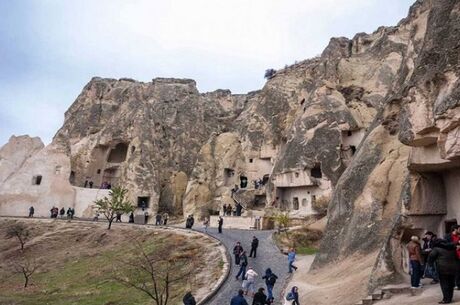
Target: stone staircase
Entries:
(386, 293)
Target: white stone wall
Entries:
(233, 222)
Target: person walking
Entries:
(206, 224)
(243, 265)
(291, 260)
(237, 250)
(189, 299)
(270, 280)
(445, 257)
(260, 298)
(220, 223)
(254, 245)
(416, 262)
(165, 218)
(292, 298)
(239, 299)
(158, 219)
(31, 211)
(249, 281)
(131, 218)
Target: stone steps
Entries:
(386, 293)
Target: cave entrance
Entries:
(260, 201)
(315, 172)
(229, 177)
(118, 153)
(143, 202)
(243, 181)
(111, 176)
(295, 203)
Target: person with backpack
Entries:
(243, 265)
(254, 245)
(270, 280)
(292, 298)
(237, 250)
(260, 298)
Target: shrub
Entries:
(320, 204)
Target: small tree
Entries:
(157, 273)
(282, 220)
(269, 73)
(26, 267)
(20, 232)
(117, 203)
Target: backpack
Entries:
(271, 279)
(290, 296)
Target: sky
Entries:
(49, 49)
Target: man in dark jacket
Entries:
(270, 280)
(189, 299)
(31, 211)
(220, 223)
(239, 207)
(260, 298)
(237, 250)
(254, 245)
(430, 271)
(239, 299)
(446, 260)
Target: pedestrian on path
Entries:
(206, 224)
(415, 259)
(31, 211)
(254, 245)
(239, 299)
(260, 298)
(158, 219)
(243, 265)
(220, 223)
(249, 281)
(292, 298)
(237, 250)
(131, 218)
(445, 258)
(165, 218)
(291, 260)
(270, 280)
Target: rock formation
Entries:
(373, 123)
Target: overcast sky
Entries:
(49, 49)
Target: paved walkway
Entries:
(268, 256)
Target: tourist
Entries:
(291, 260)
(131, 218)
(237, 250)
(249, 281)
(86, 184)
(445, 257)
(146, 217)
(62, 212)
(91, 184)
(254, 245)
(206, 224)
(96, 216)
(187, 222)
(454, 238)
(239, 299)
(243, 265)
(229, 210)
(292, 298)
(430, 270)
(270, 280)
(416, 262)
(220, 223)
(158, 219)
(189, 299)
(165, 218)
(224, 208)
(118, 219)
(31, 211)
(192, 221)
(238, 207)
(72, 210)
(260, 298)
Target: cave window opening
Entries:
(302, 101)
(98, 170)
(133, 148)
(316, 171)
(36, 180)
(118, 153)
(251, 160)
(297, 175)
(72, 177)
(243, 182)
(295, 203)
(353, 149)
(57, 170)
(143, 202)
(349, 133)
(304, 202)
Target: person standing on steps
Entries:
(243, 265)
(254, 245)
(220, 223)
(291, 260)
(237, 250)
(443, 254)
(260, 298)
(31, 211)
(239, 299)
(292, 298)
(270, 280)
(415, 259)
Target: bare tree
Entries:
(117, 203)
(19, 231)
(157, 273)
(269, 73)
(26, 267)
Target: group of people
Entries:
(249, 276)
(229, 210)
(55, 212)
(438, 259)
(161, 219)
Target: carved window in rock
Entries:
(304, 202)
(295, 203)
(118, 153)
(316, 171)
(143, 202)
(57, 170)
(37, 180)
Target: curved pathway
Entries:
(268, 256)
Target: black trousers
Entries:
(457, 274)
(220, 229)
(253, 250)
(237, 259)
(447, 282)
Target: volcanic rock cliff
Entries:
(372, 124)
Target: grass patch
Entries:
(306, 250)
